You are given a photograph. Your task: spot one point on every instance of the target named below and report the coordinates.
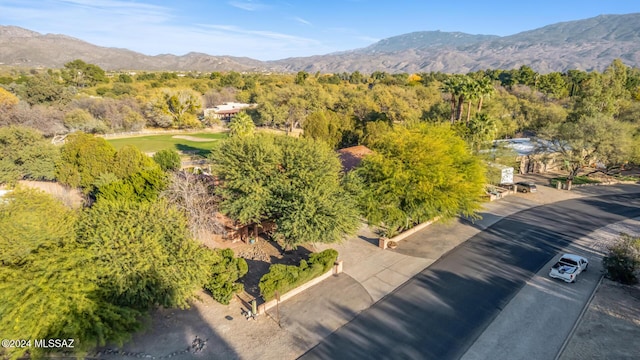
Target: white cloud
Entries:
(302, 21)
(151, 29)
(247, 5)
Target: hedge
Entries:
(225, 270)
(283, 278)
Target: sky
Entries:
(278, 29)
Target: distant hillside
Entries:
(424, 40)
(584, 44)
(21, 47)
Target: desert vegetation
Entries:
(431, 135)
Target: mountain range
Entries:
(589, 44)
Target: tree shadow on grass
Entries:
(191, 150)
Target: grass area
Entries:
(578, 180)
(153, 143)
(625, 177)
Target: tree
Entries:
(168, 159)
(194, 196)
(485, 89)
(175, 108)
(81, 120)
(324, 126)
(417, 174)
(80, 74)
(125, 78)
(7, 100)
(25, 154)
(526, 76)
(458, 88)
(44, 89)
(301, 77)
(136, 177)
(554, 85)
(602, 93)
(585, 142)
(241, 125)
(232, 79)
(271, 115)
(48, 281)
(294, 182)
(482, 130)
(143, 254)
(83, 158)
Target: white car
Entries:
(569, 267)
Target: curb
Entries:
(579, 320)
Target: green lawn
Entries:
(153, 143)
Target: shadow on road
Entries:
(440, 312)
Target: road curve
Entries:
(440, 312)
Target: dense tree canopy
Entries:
(175, 108)
(48, 280)
(295, 182)
(93, 164)
(587, 142)
(80, 74)
(324, 126)
(143, 253)
(25, 154)
(417, 174)
(84, 157)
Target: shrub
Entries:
(168, 159)
(623, 259)
(226, 269)
(26, 154)
(283, 278)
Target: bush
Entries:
(283, 278)
(226, 269)
(623, 259)
(168, 159)
(26, 154)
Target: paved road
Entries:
(442, 310)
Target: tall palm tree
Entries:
(472, 90)
(450, 86)
(485, 89)
(463, 92)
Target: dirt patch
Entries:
(192, 138)
(209, 330)
(260, 256)
(70, 197)
(610, 327)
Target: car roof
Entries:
(526, 183)
(573, 257)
